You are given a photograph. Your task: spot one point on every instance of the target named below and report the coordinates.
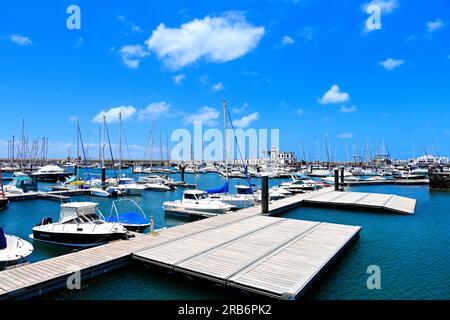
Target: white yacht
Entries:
(50, 173)
(196, 201)
(13, 249)
(80, 225)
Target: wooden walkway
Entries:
(230, 249)
(377, 201)
(276, 257)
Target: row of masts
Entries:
(27, 152)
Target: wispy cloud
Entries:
(178, 79)
(334, 95)
(132, 54)
(112, 115)
(245, 121)
(287, 40)
(207, 115)
(300, 112)
(218, 87)
(435, 25)
(20, 40)
(347, 135)
(241, 109)
(133, 27)
(215, 39)
(391, 64)
(307, 34)
(345, 109)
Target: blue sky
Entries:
(307, 67)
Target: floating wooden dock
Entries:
(51, 195)
(387, 202)
(272, 256)
(408, 182)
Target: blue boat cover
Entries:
(224, 189)
(129, 218)
(3, 243)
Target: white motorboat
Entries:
(299, 185)
(196, 201)
(243, 199)
(13, 249)
(80, 225)
(50, 173)
(128, 186)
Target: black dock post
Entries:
(75, 170)
(342, 176)
(265, 195)
(336, 179)
(103, 176)
(182, 173)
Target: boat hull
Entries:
(76, 240)
(51, 177)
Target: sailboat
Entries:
(244, 197)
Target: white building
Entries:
(273, 158)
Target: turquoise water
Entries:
(413, 252)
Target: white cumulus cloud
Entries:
(20, 40)
(334, 95)
(132, 54)
(112, 115)
(216, 39)
(155, 111)
(391, 64)
(245, 121)
(207, 115)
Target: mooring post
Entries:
(152, 225)
(336, 179)
(182, 173)
(75, 170)
(103, 176)
(342, 176)
(265, 194)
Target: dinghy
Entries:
(13, 249)
(132, 220)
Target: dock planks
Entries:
(272, 256)
(377, 201)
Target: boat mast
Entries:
(226, 136)
(120, 144)
(103, 142)
(78, 142)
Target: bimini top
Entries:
(194, 192)
(70, 211)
